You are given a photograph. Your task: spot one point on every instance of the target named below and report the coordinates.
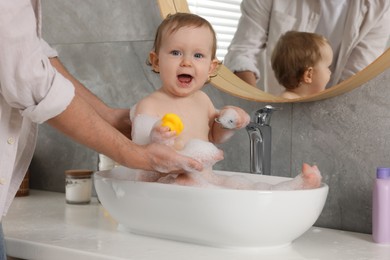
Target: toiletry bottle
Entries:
(381, 207)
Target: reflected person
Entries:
(301, 62)
(358, 32)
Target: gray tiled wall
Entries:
(105, 45)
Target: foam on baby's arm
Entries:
(230, 119)
(233, 118)
(142, 127)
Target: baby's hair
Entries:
(174, 22)
(294, 53)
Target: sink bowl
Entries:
(217, 217)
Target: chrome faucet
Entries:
(259, 131)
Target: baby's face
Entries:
(321, 71)
(185, 60)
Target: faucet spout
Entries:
(259, 131)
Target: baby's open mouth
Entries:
(184, 78)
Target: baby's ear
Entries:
(153, 59)
(213, 67)
(308, 75)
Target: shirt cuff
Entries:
(48, 50)
(241, 64)
(55, 102)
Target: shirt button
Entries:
(11, 140)
(2, 181)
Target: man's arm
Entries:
(247, 76)
(81, 122)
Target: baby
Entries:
(301, 62)
(184, 56)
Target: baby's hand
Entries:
(162, 134)
(166, 129)
(232, 117)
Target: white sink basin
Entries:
(210, 216)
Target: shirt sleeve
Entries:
(250, 37)
(28, 82)
(373, 38)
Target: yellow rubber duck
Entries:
(173, 121)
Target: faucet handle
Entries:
(263, 115)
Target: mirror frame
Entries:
(228, 82)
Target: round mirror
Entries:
(227, 81)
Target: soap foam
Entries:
(208, 154)
(142, 126)
(209, 179)
(205, 152)
(229, 118)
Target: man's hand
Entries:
(165, 159)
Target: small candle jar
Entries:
(78, 186)
(24, 188)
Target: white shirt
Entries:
(333, 29)
(31, 91)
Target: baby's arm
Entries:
(162, 134)
(227, 120)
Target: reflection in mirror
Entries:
(301, 63)
(228, 82)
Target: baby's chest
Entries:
(196, 125)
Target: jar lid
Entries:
(80, 172)
(383, 173)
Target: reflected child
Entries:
(184, 55)
(301, 63)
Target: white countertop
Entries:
(42, 226)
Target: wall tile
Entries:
(348, 138)
(74, 21)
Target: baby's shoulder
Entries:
(202, 97)
(289, 95)
(147, 105)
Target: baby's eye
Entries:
(198, 55)
(175, 53)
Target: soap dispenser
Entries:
(381, 207)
